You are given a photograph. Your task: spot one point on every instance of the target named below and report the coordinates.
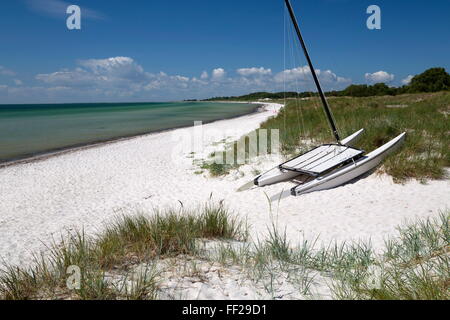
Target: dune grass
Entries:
(127, 242)
(424, 116)
(216, 169)
(412, 266)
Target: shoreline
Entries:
(85, 187)
(46, 154)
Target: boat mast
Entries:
(313, 71)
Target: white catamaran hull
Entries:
(276, 175)
(346, 173)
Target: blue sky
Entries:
(159, 50)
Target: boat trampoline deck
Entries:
(322, 159)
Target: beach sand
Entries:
(86, 188)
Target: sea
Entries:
(36, 129)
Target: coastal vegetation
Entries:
(424, 116)
(414, 265)
(431, 80)
(420, 108)
(120, 262)
(106, 261)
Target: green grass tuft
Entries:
(126, 243)
(414, 265)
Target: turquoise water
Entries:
(27, 130)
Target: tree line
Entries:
(431, 80)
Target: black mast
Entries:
(313, 71)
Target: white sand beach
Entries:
(87, 188)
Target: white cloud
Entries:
(301, 77)
(379, 76)
(181, 78)
(167, 83)
(117, 67)
(116, 72)
(407, 80)
(123, 79)
(218, 74)
(116, 78)
(107, 64)
(18, 82)
(288, 75)
(6, 72)
(245, 72)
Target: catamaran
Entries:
(329, 165)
